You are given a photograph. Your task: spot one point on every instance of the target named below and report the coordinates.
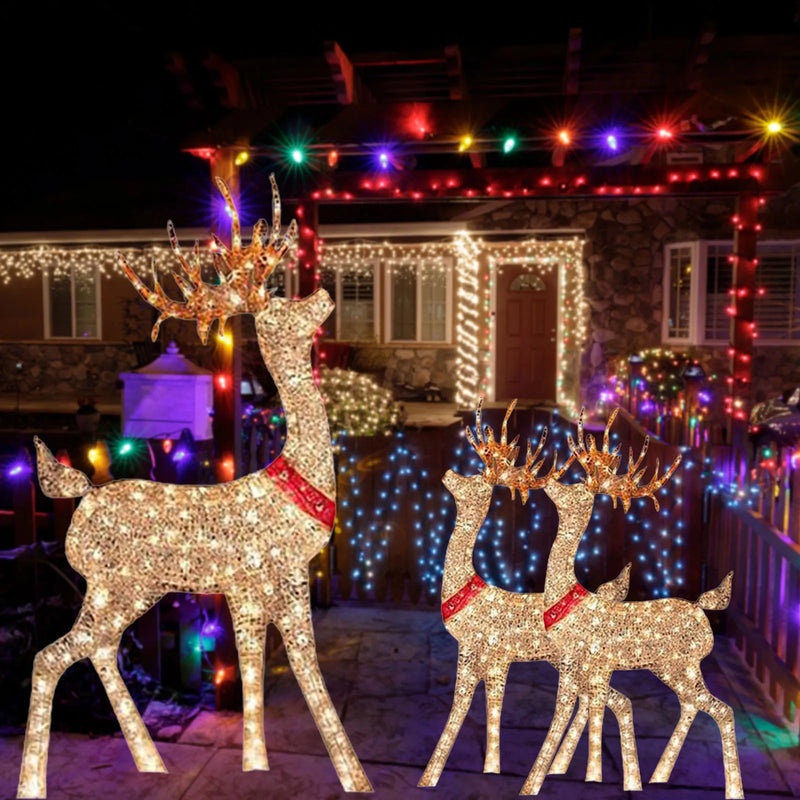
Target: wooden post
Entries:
(63, 508)
(228, 380)
(743, 287)
(24, 502)
(308, 279)
(308, 247)
(228, 446)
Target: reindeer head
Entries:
(242, 272)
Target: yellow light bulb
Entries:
(242, 158)
(774, 126)
(465, 144)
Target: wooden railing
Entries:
(394, 519)
(754, 530)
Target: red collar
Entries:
(569, 602)
(462, 597)
(305, 496)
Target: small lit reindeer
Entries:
(250, 539)
(495, 627)
(596, 635)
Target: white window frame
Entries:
(98, 307)
(387, 296)
(376, 294)
(698, 298)
(696, 308)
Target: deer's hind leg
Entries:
(250, 626)
(694, 696)
(87, 635)
(49, 665)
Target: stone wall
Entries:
(63, 368)
(415, 366)
(624, 270)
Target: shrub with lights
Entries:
(662, 387)
(356, 404)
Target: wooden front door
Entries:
(526, 328)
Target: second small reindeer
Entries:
(495, 627)
(596, 636)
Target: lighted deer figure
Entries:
(250, 539)
(495, 627)
(596, 635)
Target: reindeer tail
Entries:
(717, 599)
(57, 479)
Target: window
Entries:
(678, 291)
(418, 302)
(355, 303)
(697, 280)
(72, 303)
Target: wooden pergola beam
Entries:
(573, 62)
(350, 88)
(504, 183)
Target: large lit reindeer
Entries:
(495, 627)
(595, 635)
(250, 539)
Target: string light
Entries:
(474, 321)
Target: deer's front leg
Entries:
(565, 702)
(467, 679)
(495, 682)
(294, 622)
(621, 706)
(250, 628)
(567, 750)
(122, 610)
(597, 707)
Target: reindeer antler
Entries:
(527, 478)
(496, 456)
(500, 457)
(601, 467)
(242, 272)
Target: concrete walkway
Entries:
(390, 673)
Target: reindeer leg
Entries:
(250, 627)
(693, 698)
(565, 702)
(295, 626)
(597, 708)
(568, 744)
(48, 666)
(620, 705)
(104, 657)
(495, 683)
(467, 679)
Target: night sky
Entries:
(93, 120)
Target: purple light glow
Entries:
(18, 470)
(704, 397)
(179, 455)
